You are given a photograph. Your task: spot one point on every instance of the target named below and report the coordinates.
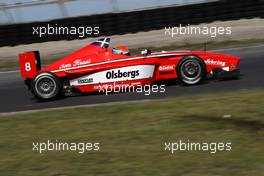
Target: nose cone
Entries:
(234, 62)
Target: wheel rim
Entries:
(191, 70)
(45, 87)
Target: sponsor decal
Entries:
(215, 62)
(80, 62)
(76, 63)
(64, 66)
(84, 81)
(119, 74)
(166, 67)
(116, 75)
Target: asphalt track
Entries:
(15, 96)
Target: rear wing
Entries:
(29, 64)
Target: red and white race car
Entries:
(95, 66)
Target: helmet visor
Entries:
(117, 51)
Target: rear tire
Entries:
(191, 70)
(46, 86)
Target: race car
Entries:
(96, 65)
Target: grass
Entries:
(6, 65)
(132, 138)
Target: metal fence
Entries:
(135, 21)
(25, 11)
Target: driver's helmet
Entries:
(121, 50)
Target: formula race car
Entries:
(95, 66)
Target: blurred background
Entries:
(114, 17)
(20, 11)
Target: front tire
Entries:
(191, 70)
(46, 86)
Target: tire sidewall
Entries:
(202, 71)
(51, 76)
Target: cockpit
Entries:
(122, 50)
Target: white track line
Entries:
(237, 48)
(7, 72)
(77, 106)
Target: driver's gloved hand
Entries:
(145, 52)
